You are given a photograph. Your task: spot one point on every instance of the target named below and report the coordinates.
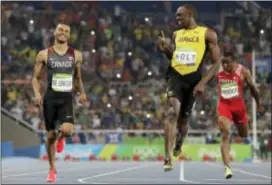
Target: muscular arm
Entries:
(253, 90)
(39, 66)
(211, 38)
(78, 85)
(168, 50)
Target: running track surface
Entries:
(30, 171)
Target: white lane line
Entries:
(181, 173)
(242, 171)
(64, 169)
(182, 176)
(83, 180)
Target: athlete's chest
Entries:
(56, 62)
(229, 85)
(233, 78)
(190, 46)
(192, 38)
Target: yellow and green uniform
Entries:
(186, 61)
(190, 50)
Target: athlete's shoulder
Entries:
(42, 55)
(43, 51)
(205, 27)
(220, 71)
(244, 70)
(202, 27)
(210, 35)
(210, 30)
(179, 32)
(77, 53)
(176, 32)
(78, 56)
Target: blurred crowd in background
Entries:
(123, 70)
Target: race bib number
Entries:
(185, 57)
(62, 82)
(229, 90)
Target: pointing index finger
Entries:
(162, 33)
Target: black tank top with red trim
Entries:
(60, 71)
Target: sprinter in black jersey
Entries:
(63, 67)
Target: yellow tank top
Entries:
(190, 50)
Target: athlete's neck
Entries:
(235, 66)
(192, 25)
(60, 47)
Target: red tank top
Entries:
(230, 85)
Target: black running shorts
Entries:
(57, 107)
(181, 87)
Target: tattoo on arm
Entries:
(39, 66)
(214, 50)
(253, 90)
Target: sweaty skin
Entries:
(39, 68)
(78, 84)
(37, 77)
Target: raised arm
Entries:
(168, 50)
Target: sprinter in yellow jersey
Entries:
(185, 80)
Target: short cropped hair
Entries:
(67, 23)
(230, 54)
(192, 9)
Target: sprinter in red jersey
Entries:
(231, 105)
